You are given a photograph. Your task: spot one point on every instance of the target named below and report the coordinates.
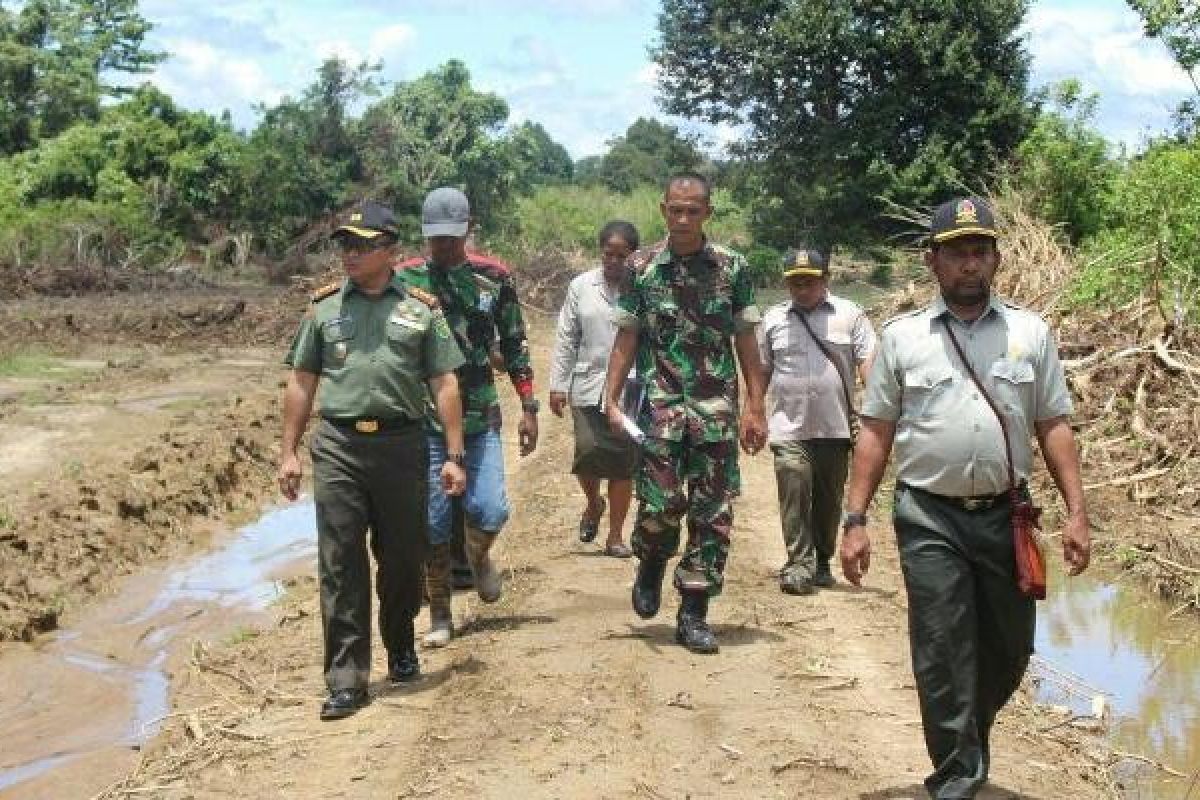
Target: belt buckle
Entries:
(976, 503)
(366, 425)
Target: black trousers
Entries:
(376, 482)
(970, 630)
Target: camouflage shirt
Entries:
(480, 302)
(686, 310)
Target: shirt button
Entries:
(976, 427)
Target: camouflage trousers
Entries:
(709, 473)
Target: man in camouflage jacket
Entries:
(690, 305)
(479, 300)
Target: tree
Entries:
(847, 100)
(57, 58)
(433, 131)
(1176, 23)
(648, 153)
(1064, 164)
(537, 158)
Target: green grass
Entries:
(26, 364)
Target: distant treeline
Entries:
(843, 109)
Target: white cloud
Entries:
(391, 42)
(200, 75)
(1137, 80)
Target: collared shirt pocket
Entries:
(927, 392)
(337, 335)
(1013, 383)
(405, 334)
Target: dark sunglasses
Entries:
(355, 244)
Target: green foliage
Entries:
(848, 100)
(55, 59)
(434, 131)
(1153, 232)
(764, 264)
(1064, 163)
(570, 217)
(537, 159)
(648, 153)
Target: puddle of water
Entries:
(1124, 645)
(114, 662)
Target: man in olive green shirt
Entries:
(372, 345)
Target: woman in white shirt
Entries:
(585, 337)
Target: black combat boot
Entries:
(692, 631)
(647, 588)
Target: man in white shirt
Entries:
(811, 346)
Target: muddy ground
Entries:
(155, 423)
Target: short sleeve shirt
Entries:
(374, 354)
(686, 309)
(948, 440)
(805, 396)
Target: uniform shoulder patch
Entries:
(489, 265)
(425, 297)
(409, 263)
(325, 291)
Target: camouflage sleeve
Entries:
(305, 352)
(630, 304)
(510, 329)
(441, 351)
(745, 311)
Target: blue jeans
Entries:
(485, 502)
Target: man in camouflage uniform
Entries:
(479, 299)
(690, 305)
(372, 346)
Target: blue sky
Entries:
(579, 67)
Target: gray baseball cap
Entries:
(445, 212)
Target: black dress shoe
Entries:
(647, 588)
(342, 703)
(403, 667)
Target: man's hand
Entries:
(558, 402)
(753, 430)
(1077, 543)
(527, 432)
(290, 473)
(856, 553)
(454, 479)
(616, 419)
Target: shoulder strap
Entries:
(325, 291)
(1012, 477)
(425, 297)
(825, 351)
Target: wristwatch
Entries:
(854, 518)
(457, 458)
(531, 405)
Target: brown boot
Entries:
(488, 582)
(437, 587)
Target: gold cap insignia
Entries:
(965, 212)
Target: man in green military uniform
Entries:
(372, 346)
(689, 307)
(478, 296)
(971, 629)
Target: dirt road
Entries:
(560, 691)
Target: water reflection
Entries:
(1123, 644)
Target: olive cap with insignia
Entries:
(369, 221)
(964, 216)
(804, 263)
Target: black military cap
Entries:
(804, 262)
(967, 216)
(368, 221)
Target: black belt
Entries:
(978, 502)
(372, 425)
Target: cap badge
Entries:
(965, 212)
